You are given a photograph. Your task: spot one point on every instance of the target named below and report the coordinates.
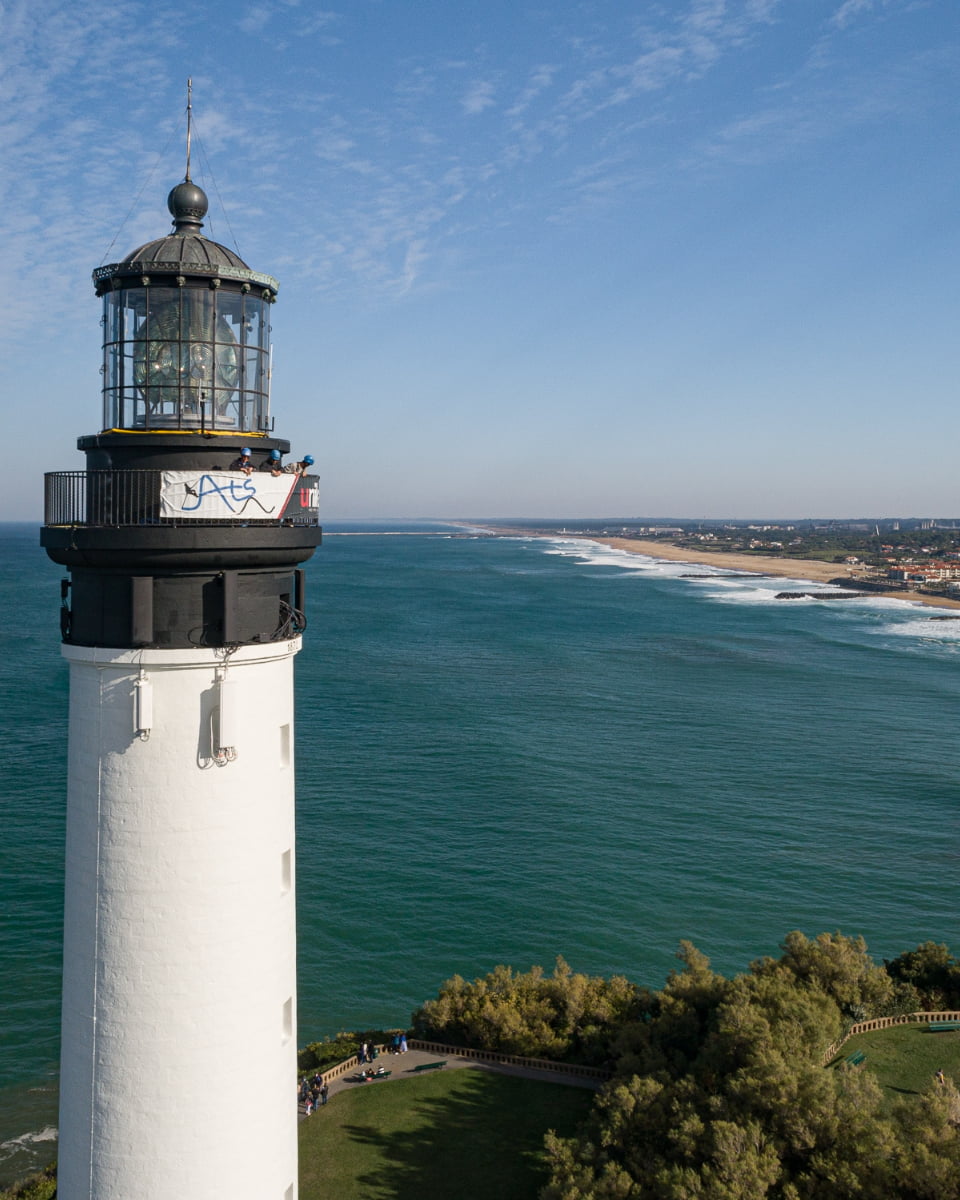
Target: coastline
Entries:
(785, 568)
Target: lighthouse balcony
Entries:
(180, 558)
(110, 499)
(192, 519)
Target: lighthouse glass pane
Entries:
(256, 316)
(122, 314)
(198, 374)
(113, 318)
(157, 364)
(228, 339)
(254, 401)
(256, 359)
(131, 410)
(111, 373)
(255, 387)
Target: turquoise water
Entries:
(509, 749)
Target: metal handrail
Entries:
(117, 499)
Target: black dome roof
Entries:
(185, 251)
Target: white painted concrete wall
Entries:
(178, 1068)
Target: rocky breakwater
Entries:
(844, 595)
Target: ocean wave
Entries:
(25, 1141)
(924, 628)
(596, 554)
(754, 595)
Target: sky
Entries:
(696, 258)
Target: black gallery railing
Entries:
(180, 498)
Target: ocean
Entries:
(510, 749)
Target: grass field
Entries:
(905, 1058)
(465, 1134)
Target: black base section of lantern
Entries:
(224, 608)
(176, 587)
(178, 450)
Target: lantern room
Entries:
(186, 332)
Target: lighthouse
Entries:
(183, 538)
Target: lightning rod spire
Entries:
(189, 124)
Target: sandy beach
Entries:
(787, 568)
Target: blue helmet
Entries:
(245, 452)
(275, 455)
(308, 459)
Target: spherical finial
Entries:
(188, 205)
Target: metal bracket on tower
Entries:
(224, 748)
(142, 706)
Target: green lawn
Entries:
(904, 1058)
(465, 1134)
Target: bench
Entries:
(855, 1059)
(939, 1026)
(434, 1066)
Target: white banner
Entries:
(225, 495)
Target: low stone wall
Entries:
(915, 1018)
(332, 1073)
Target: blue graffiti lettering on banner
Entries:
(230, 491)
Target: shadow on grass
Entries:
(479, 1135)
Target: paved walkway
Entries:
(401, 1066)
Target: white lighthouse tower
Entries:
(180, 621)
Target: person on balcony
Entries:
(242, 462)
(299, 468)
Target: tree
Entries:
(565, 1016)
(928, 1162)
(840, 967)
(932, 972)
